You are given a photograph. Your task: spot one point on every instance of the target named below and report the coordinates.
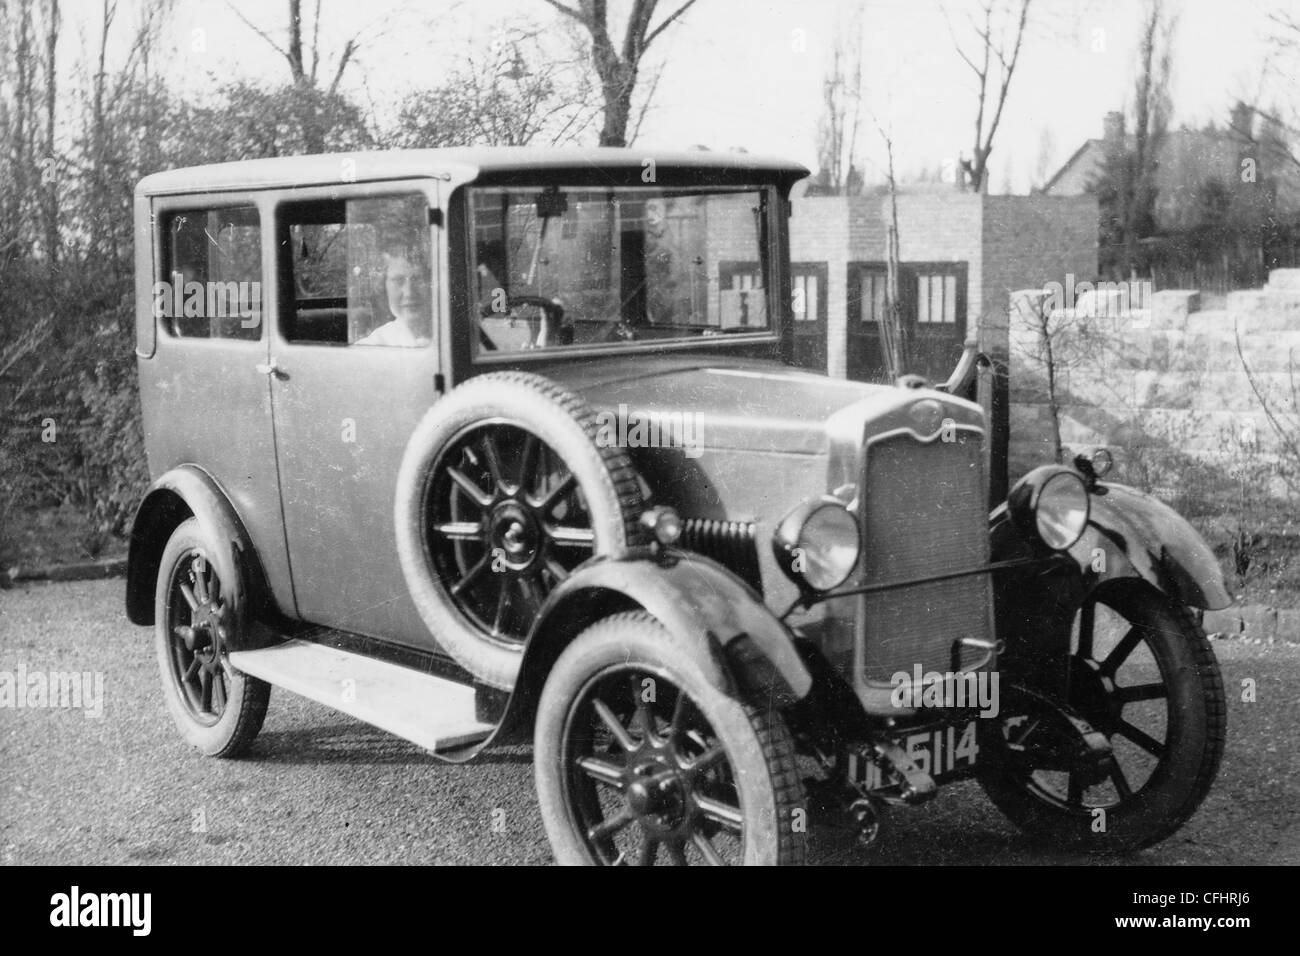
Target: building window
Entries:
(936, 299)
(806, 296)
(872, 290)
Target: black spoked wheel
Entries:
(1143, 674)
(508, 522)
(198, 624)
(641, 762)
(506, 487)
(654, 764)
(199, 617)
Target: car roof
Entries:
(457, 164)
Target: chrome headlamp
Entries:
(817, 544)
(1050, 505)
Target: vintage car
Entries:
(481, 444)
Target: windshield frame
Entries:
(769, 248)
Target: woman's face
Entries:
(407, 285)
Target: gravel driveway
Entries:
(320, 787)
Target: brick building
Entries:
(962, 255)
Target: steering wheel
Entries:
(548, 330)
(618, 331)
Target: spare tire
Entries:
(503, 490)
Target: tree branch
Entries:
(315, 43)
(645, 107)
(1006, 77)
(663, 26)
(349, 48)
(262, 33)
(568, 11)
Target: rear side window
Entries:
(212, 278)
(357, 272)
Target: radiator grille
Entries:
(923, 514)
(730, 543)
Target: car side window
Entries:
(211, 284)
(357, 271)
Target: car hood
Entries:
(729, 404)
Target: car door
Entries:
(204, 402)
(353, 370)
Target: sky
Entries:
(749, 73)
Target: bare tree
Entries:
(1058, 337)
(105, 141)
(516, 94)
(1281, 408)
(1126, 185)
(994, 53)
(50, 179)
(304, 70)
(837, 132)
(618, 70)
(1281, 123)
(29, 33)
(1151, 119)
(893, 330)
(317, 103)
(17, 121)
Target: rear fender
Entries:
(184, 492)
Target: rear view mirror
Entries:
(551, 203)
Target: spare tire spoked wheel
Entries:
(508, 522)
(504, 490)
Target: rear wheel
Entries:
(1143, 674)
(200, 615)
(640, 760)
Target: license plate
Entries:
(941, 752)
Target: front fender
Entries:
(747, 652)
(184, 492)
(1132, 534)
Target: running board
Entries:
(433, 712)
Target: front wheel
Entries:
(1143, 674)
(640, 760)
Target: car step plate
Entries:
(432, 712)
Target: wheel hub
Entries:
(657, 789)
(515, 535)
(655, 794)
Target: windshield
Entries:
(557, 267)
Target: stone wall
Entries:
(1164, 388)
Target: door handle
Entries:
(271, 368)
